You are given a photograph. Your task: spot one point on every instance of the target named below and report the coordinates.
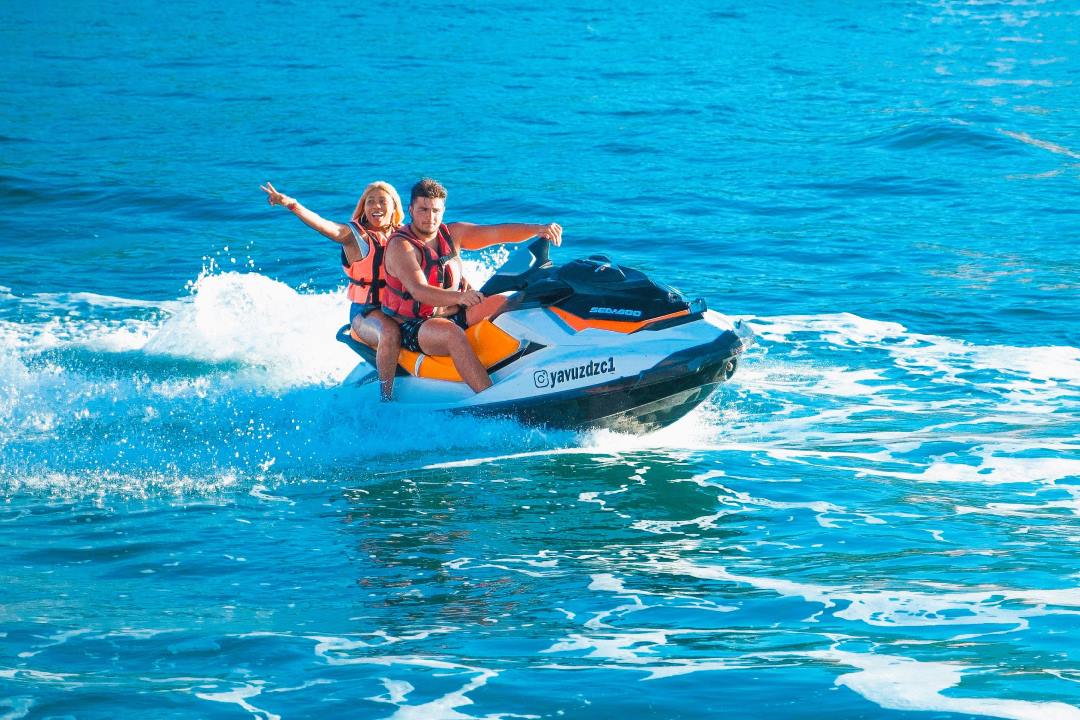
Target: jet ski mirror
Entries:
(524, 262)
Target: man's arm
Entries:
(401, 262)
(475, 237)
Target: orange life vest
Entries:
(435, 265)
(366, 274)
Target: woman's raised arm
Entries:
(335, 231)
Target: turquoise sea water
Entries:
(877, 518)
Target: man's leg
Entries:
(439, 336)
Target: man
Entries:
(425, 290)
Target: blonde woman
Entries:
(363, 241)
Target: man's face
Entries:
(427, 214)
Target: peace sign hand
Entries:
(275, 197)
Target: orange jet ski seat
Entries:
(491, 344)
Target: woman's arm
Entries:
(475, 237)
(335, 231)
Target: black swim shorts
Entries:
(410, 329)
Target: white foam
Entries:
(704, 522)
(695, 431)
(65, 301)
(1020, 392)
(903, 608)
(397, 691)
(1042, 144)
(704, 479)
(843, 329)
(900, 683)
(239, 696)
(992, 470)
(331, 644)
(948, 357)
(269, 336)
(606, 582)
(262, 337)
(36, 675)
(1049, 509)
(102, 482)
(478, 267)
(22, 340)
(624, 647)
(19, 706)
(540, 565)
(923, 352)
(251, 319)
(447, 705)
(57, 639)
(333, 649)
(493, 459)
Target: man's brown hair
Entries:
(427, 188)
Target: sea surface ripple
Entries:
(876, 518)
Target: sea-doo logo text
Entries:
(550, 378)
(627, 312)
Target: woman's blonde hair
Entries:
(397, 215)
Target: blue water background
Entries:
(876, 518)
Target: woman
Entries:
(378, 214)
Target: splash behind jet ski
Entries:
(587, 344)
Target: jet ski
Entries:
(587, 344)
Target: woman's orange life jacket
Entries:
(437, 268)
(366, 274)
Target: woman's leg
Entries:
(439, 336)
(385, 334)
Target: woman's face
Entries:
(378, 208)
